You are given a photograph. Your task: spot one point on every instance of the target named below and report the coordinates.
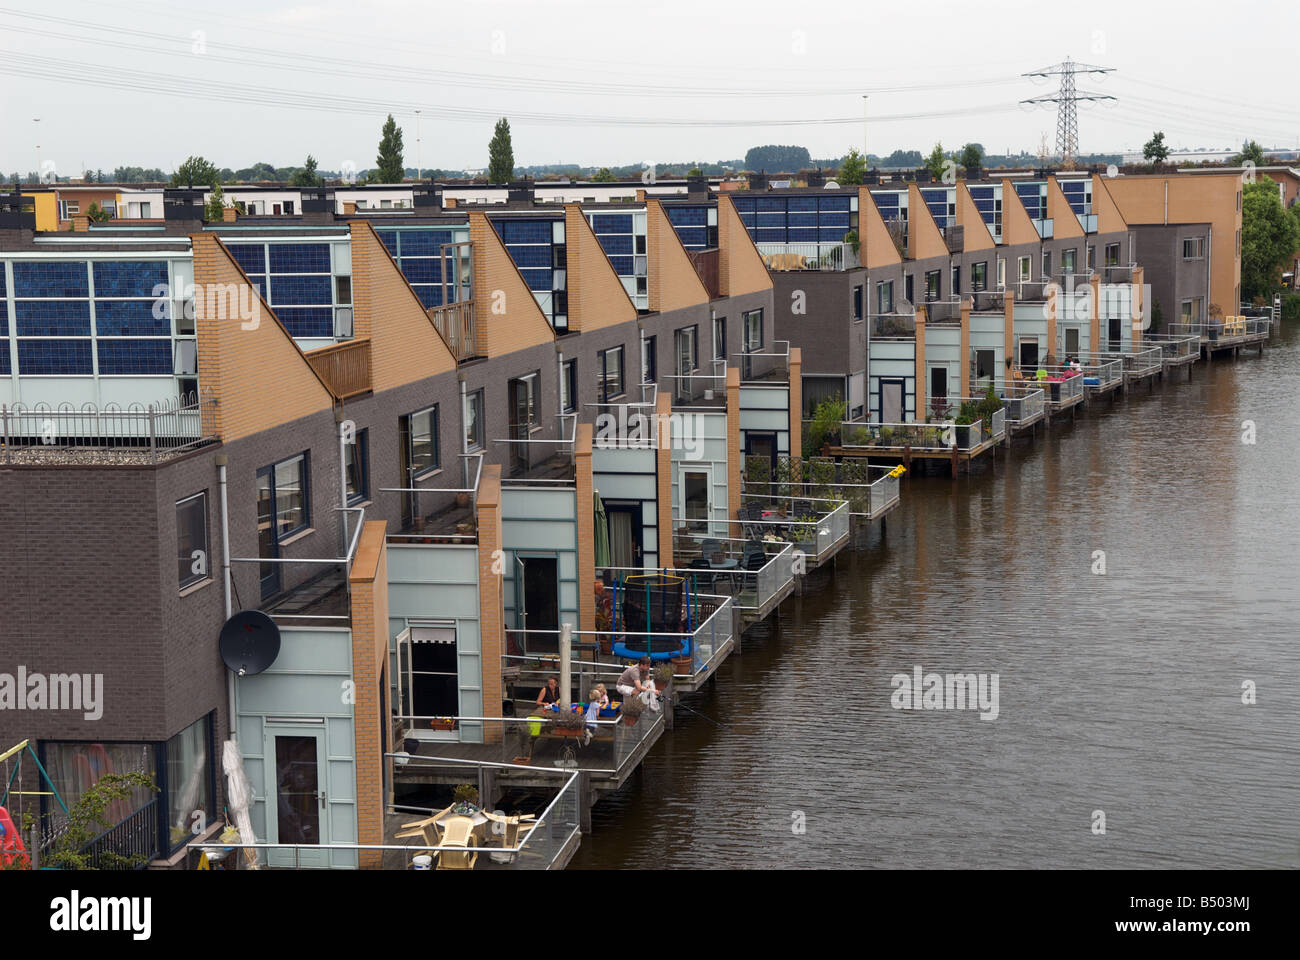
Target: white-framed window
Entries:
(1193, 248)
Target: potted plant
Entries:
(443, 723)
(462, 499)
(465, 800)
(567, 723)
(631, 710)
(663, 675)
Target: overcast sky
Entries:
(148, 82)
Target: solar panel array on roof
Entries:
(797, 218)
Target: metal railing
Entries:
(431, 514)
(530, 458)
(543, 838)
(127, 845)
(1173, 348)
(942, 435)
(885, 326)
(1105, 368)
(942, 312)
(814, 525)
(345, 367)
(728, 572)
(765, 369)
(699, 389)
(826, 257)
(456, 323)
(140, 433)
(1023, 401)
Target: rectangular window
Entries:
(527, 411)
(857, 303)
(719, 338)
(1002, 273)
(1194, 248)
(611, 373)
(931, 285)
(1067, 261)
(1092, 257)
(956, 280)
(885, 297)
(908, 290)
(569, 386)
(474, 420)
(289, 493)
(188, 758)
(979, 276)
(192, 539)
(1024, 270)
(342, 290)
(753, 331)
(356, 463)
(1047, 264)
(688, 349)
(419, 432)
(649, 369)
(1112, 254)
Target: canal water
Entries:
(1118, 692)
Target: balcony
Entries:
(870, 491)
(893, 326)
(344, 367)
(765, 369)
(456, 323)
(440, 514)
(756, 575)
(140, 434)
(542, 461)
(818, 527)
(706, 391)
(822, 257)
(942, 313)
(706, 266)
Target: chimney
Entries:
(697, 188)
(449, 203)
(228, 214)
(758, 181)
(640, 195)
(519, 194)
(80, 222)
(182, 210)
(349, 208)
(816, 179)
(427, 198)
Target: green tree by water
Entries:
(1270, 237)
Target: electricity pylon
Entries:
(1067, 114)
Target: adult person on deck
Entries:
(550, 693)
(635, 682)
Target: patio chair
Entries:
(711, 550)
(755, 557)
(457, 832)
(703, 579)
(514, 833)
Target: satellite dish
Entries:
(831, 185)
(250, 642)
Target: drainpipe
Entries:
(225, 566)
(1209, 271)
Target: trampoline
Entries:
(652, 607)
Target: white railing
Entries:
(809, 256)
(145, 432)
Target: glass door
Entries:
(296, 795)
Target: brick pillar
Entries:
(349, 208)
(664, 480)
(449, 203)
(733, 448)
(1094, 321)
(368, 583)
(1008, 331)
(796, 402)
(640, 195)
(1139, 276)
(922, 388)
(586, 507)
(965, 348)
(228, 214)
(491, 595)
(80, 222)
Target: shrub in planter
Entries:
(663, 675)
(632, 709)
(567, 723)
(465, 795)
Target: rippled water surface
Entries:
(1120, 693)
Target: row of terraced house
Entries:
(441, 441)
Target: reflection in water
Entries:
(1119, 693)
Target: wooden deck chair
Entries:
(457, 832)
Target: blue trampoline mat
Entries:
(621, 649)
